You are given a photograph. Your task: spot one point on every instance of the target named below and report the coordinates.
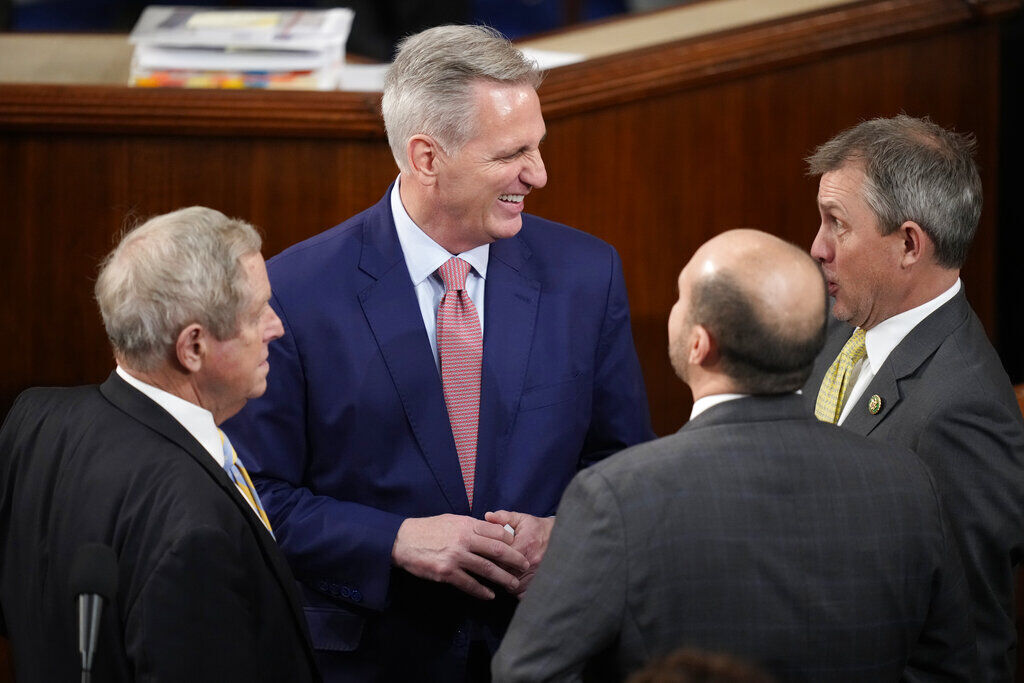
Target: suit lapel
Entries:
(885, 386)
(393, 314)
(139, 406)
(511, 303)
(919, 344)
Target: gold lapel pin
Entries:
(875, 404)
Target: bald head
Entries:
(762, 303)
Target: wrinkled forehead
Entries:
(841, 187)
(257, 283)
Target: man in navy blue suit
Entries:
(412, 474)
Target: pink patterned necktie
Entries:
(460, 347)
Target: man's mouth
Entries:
(512, 198)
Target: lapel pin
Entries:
(875, 404)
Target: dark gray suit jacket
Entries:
(946, 396)
(203, 594)
(756, 531)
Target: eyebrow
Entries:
(523, 148)
(831, 204)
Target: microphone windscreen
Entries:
(94, 570)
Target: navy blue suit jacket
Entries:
(352, 436)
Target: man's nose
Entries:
(275, 330)
(820, 249)
(534, 174)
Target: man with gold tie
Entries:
(757, 531)
(138, 464)
(907, 360)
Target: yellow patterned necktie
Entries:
(236, 470)
(836, 383)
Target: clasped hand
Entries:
(460, 550)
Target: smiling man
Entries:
(451, 363)
(907, 360)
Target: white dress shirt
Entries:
(705, 402)
(881, 339)
(423, 256)
(196, 420)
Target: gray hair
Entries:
(429, 87)
(916, 171)
(174, 270)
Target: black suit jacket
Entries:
(756, 531)
(946, 396)
(204, 594)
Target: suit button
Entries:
(460, 640)
(356, 596)
(323, 586)
(345, 592)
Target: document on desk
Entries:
(230, 48)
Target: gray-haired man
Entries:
(138, 464)
(416, 413)
(907, 360)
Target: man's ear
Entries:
(190, 347)
(424, 155)
(703, 348)
(914, 242)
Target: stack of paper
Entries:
(202, 47)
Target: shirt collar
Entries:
(423, 256)
(705, 402)
(198, 421)
(881, 339)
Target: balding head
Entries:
(760, 302)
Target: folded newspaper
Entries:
(204, 47)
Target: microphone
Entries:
(93, 580)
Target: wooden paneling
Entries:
(654, 150)
(71, 195)
(659, 176)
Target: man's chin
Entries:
(259, 389)
(678, 365)
(508, 227)
(839, 312)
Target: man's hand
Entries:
(532, 534)
(456, 549)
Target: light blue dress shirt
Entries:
(423, 256)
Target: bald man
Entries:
(755, 530)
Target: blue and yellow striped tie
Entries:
(236, 470)
(836, 383)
